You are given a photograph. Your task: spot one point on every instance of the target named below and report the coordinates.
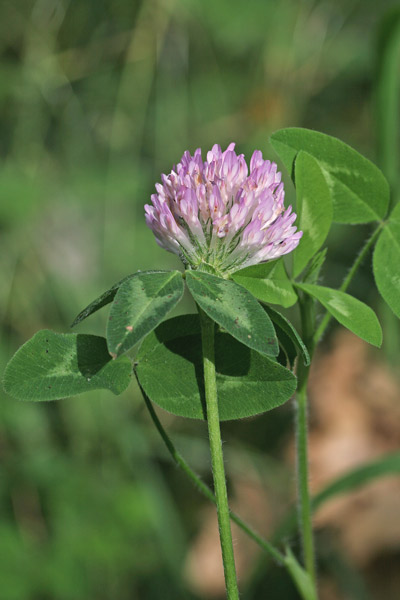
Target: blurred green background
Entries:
(97, 98)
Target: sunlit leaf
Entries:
(386, 262)
(314, 209)
(268, 282)
(350, 312)
(235, 309)
(141, 303)
(105, 298)
(360, 192)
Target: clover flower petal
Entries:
(220, 215)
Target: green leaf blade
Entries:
(140, 304)
(360, 192)
(268, 282)
(283, 324)
(389, 464)
(235, 309)
(386, 261)
(351, 480)
(348, 311)
(169, 368)
(314, 209)
(52, 365)
(106, 298)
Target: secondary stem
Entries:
(347, 280)
(311, 339)
(303, 492)
(217, 461)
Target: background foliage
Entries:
(96, 100)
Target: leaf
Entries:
(294, 345)
(53, 365)
(105, 298)
(360, 192)
(314, 209)
(350, 312)
(140, 304)
(169, 368)
(268, 282)
(386, 262)
(235, 309)
(386, 465)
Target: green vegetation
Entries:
(96, 100)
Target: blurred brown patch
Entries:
(355, 419)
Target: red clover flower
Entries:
(217, 217)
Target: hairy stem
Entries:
(311, 338)
(204, 489)
(217, 461)
(303, 492)
(305, 510)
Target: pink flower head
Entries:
(216, 215)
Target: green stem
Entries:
(303, 492)
(303, 488)
(217, 461)
(347, 280)
(311, 339)
(203, 488)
